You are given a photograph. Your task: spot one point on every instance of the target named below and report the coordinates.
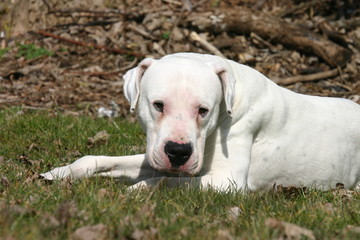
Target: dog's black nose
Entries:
(178, 153)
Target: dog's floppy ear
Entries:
(132, 82)
(228, 86)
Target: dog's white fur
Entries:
(254, 135)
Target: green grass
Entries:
(3, 51)
(31, 208)
(166, 35)
(30, 51)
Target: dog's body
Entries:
(228, 125)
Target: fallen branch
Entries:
(332, 34)
(93, 74)
(197, 38)
(4, 101)
(91, 23)
(301, 7)
(348, 24)
(73, 12)
(89, 45)
(243, 20)
(308, 78)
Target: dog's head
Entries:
(178, 101)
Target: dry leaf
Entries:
(342, 192)
(7, 238)
(49, 221)
(99, 138)
(289, 230)
(144, 234)
(184, 232)
(14, 209)
(138, 234)
(329, 208)
(224, 234)
(65, 211)
(93, 69)
(352, 228)
(4, 181)
(246, 58)
(73, 153)
(148, 210)
(103, 192)
(289, 191)
(234, 212)
(95, 232)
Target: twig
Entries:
(188, 5)
(348, 23)
(301, 7)
(173, 2)
(2, 40)
(308, 78)
(103, 74)
(93, 23)
(176, 23)
(35, 108)
(262, 41)
(199, 3)
(196, 37)
(89, 45)
(127, 67)
(86, 12)
(10, 100)
(332, 34)
(93, 74)
(141, 31)
(47, 5)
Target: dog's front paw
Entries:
(83, 167)
(138, 186)
(57, 173)
(149, 183)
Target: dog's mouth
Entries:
(177, 172)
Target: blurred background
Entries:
(69, 55)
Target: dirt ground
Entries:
(69, 56)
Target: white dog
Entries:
(213, 122)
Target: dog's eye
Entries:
(159, 106)
(203, 111)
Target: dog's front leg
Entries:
(204, 182)
(134, 167)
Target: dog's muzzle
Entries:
(178, 153)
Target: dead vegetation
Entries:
(310, 47)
